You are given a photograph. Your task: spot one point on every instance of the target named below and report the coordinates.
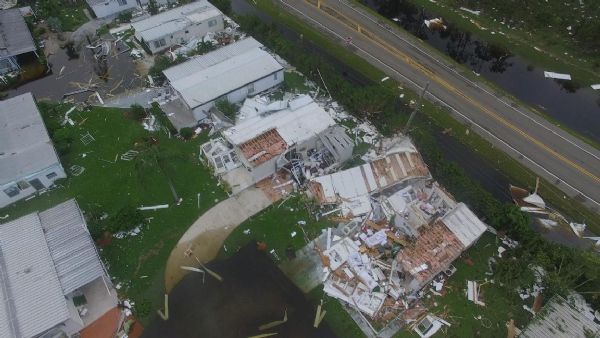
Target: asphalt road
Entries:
(569, 163)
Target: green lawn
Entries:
(135, 262)
(275, 225)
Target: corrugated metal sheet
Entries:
(202, 62)
(558, 319)
(15, 37)
(30, 281)
(294, 126)
(464, 224)
(75, 258)
(176, 13)
(25, 146)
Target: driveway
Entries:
(204, 238)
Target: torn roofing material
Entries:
(25, 146)
(353, 186)
(15, 37)
(559, 319)
(43, 257)
(301, 120)
(465, 225)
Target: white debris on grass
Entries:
(131, 233)
(470, 11)
(559, 76)
(596, 86)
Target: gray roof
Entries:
(33, 301)
(559, 319)
(25, 147)
(74, 254)
(44, 256)
(208, 77)
(15, 37)
(175, 20)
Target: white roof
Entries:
(75, 258)
(43, 257)
(32, 298)
(464, 224)
(174, 20)
(25, 146)
(210, 76)
(302, 120)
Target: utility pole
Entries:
(412, 115)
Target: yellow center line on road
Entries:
(418, 66)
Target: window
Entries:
(275, 76)
(251, 88)
(122, 2)
(159, 43)
(51, 175)
(212, 23)
(12, 191)
(23, 185)
(186, 32)
(37, 184)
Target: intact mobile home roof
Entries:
(174, 20)
(15, 37)
(210, 76)
(44, 256)
(25, 147)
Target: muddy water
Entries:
(81, 71)
(573, 107)
(253, 292)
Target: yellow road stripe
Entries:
(407, 59)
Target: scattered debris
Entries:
(274, 323)
(76, 170)
(473, 290)
(436, 24)
(558, 76)
(129, 155)
(578, 228)
(596, 86)
(87, 138)
(154, 207)
(470, 11)
(429, 325)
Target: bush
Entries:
(223, 5)
(54, 24)
(227, 108)
(162, 117)
(186, 133)
(152, 7)
(126, 219)
(137, 112)
(125, 16)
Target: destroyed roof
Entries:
(15, 37)
(43, 257)
(174, 20)
(25, 147)
(210, 76)
(433, 250)
(353, 186)
(559, 319)
(301, 120)
(465, 225)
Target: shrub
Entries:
(126, 219)
(227, 108)
(186, 133)
(137, 112)
(125, 16)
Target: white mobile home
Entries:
(232, 73)
(52, 281)
(28, 161)
(108, 8)
(178, 25)
(15, 39)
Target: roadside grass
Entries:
(137, 263)
(295, 82)
(274, 227)
(584, 68)
(501, 40)
(443, 119)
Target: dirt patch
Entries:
(253, 292)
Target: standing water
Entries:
(573, 107)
